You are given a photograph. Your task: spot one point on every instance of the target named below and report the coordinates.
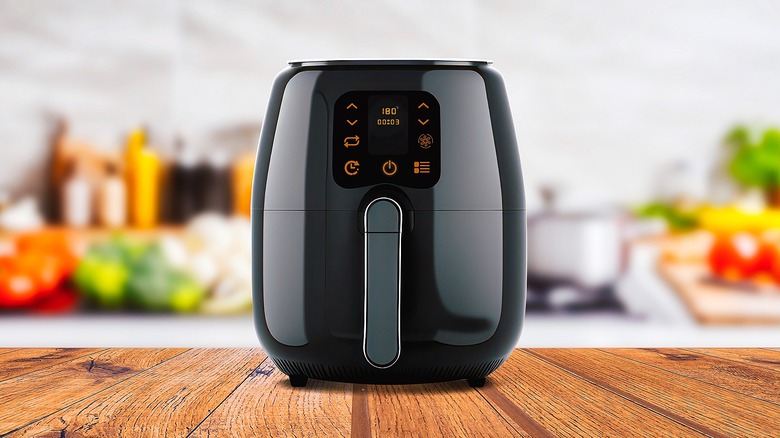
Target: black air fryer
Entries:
(388, 222)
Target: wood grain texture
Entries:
(170, 399)
(739, 377)
(705, 407)
(511, 410)
(566, 405)
(537, 392)
(759, 357)
(361, 418)
(266, 405)
(31, 396)
(27, 360)
(440, 409)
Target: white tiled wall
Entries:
(604, 93)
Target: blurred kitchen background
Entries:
(648, 134)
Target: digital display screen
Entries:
(386, 137)
(388, 125)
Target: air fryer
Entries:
(388, 222)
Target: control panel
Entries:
(386, 137)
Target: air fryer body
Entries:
(451, 171)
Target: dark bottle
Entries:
(184, 186)
(214, 180)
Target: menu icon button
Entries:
(421, 167)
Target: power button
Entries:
(389, 168)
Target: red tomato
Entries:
(774, 263)
(47, 270)
(62, 301)
(765, 257)
(17, 289)
(738, 256)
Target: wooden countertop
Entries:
(538, 392)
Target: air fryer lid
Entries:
(389, 63)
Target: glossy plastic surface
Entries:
(463, 242)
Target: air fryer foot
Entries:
(478, 382)
(298, 380)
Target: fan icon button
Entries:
(425, 141)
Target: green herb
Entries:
(676, 218)
(756, 161)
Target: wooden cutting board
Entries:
(713, 302)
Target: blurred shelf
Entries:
(92, 233)
(127, 330)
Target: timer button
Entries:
(351, 167)
(389, 168)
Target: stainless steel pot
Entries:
(583, 248)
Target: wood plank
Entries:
(566, 405)
(759, 357)
(266, 405)
(503, 404)
(27, 360)
(170, 399)
(701, 405)
(31, 396)
(361, 418)
(745, 379)
(440, 409)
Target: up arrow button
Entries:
(423, 105)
